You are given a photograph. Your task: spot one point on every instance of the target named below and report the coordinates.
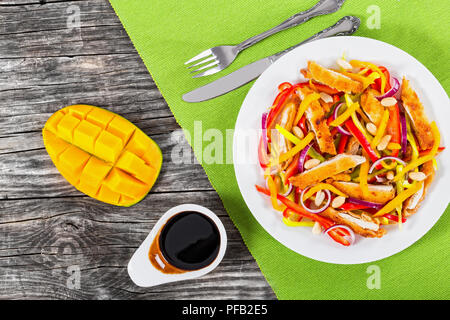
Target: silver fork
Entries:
(218, 58)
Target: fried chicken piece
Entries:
(368, 229)
(329, 168)
(413, 203)
(377, 193)
(372, 106)
(416, 113)
(333, 79)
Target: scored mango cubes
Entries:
(102, 154)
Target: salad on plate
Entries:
(347, 151)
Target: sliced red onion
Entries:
(327, 192)
(340, 129)
(302, 157)
(264, 129)
(380, 179)
(341, 226)
(404, 138)
(395, 86)
(386, 158)
(369, 204)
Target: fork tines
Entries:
(201, 61)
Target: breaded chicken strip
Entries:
(372, 106)
(412, 204)
(365, 228)
(377, 193)
(333, 79)
(329, 168)
(416, 113)
(318, 124)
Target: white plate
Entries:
(249, 173)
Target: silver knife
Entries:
(345, 26)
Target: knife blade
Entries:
(345, 26)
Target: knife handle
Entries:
(345, 26)
(321, 8)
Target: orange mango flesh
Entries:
(102, 154)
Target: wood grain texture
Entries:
(47, 227)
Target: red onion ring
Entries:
(340, 129)
(404, 138)
(394, 89)
(341, 226)
(264, 129)
(288, 191)
(327, 192)
(302, 157)
(386, 158)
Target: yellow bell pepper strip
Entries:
(411, 140)
(345, 115)
(310, 98)
(381, 129)
(363, 173)
(400, 189)
(311, 152)
(372, 175)
(394, 146)
(273, 194)
(289, 136)
(394, 203)
(291, 223)
(299, 147)
(366, 81)
(322, 186)
(361, 128)
(363, 64)
(421, 160)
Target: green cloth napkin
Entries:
(166, 33)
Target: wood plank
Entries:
(47, 225)
(44, 237)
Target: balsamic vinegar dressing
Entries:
(188, 241)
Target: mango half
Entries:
(102, 154)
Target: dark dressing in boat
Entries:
(188, 241)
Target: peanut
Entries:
(311, 163)
(384, 142)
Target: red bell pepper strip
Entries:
(284, 85)
(342, 144)
(262, 155)
(352, 206)
(292, 169)
(377, 83)
(325, 222)
(279, 100)
(394, 218)
(394, 127)
(297, 193)
(302, 124)
(361, 139)
(337, 234)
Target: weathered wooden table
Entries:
(55, 242)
